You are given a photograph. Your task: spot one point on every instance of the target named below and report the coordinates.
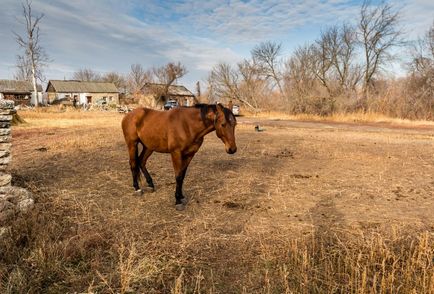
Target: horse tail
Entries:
(129, 128)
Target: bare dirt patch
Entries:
(246, 214)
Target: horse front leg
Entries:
(180, 165)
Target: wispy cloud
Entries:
(249, 21)
(417, 16)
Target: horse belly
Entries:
(154, 138)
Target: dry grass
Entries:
(294, 211)
(58, 117)
(356, 117)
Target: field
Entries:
(302, 207)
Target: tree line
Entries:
(132, 82)
(343, 70)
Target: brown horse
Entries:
(180, 132)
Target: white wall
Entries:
(33, 100)
(83, 99)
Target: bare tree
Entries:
(378, 31)
(420, 82)
(333, 56)
(167, 75)
(252, 85)
(137, 77)
(227, 83)
(86, 75)
(34, 55)
(117, 79)
(223, 83)
(24, 69)
(423, 54)
(348, 70)
(323, 54)
(300, 75)
(266, 55)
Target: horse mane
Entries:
(205, 108)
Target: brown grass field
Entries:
(302, 207)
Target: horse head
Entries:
(224, 124)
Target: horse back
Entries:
(163, 131)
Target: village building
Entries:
(81, 92)
(153, 93)
(21, 92)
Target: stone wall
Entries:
(13, 200)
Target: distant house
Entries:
(178, 93)
(21, 92)
(82, 92)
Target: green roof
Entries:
(18, 87)
(61, 86)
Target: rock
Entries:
(6, 104)
(5, 179)
(5, 132)
(17, 193)
(4, 153)
(5, 139)
(14, 200)
(5, 160)
(26, 204)
(3, 231)
(5, 146)
(5, 117)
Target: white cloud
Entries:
(102, 36)
(111, 35)
(254, 21)
(417, 16)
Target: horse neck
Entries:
(207, 124)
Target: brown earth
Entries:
(289, 180)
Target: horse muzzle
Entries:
(231, 150)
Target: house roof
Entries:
(70, 86)
(174, 90)
(18, 87)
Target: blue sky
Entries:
(111, 35)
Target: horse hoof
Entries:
(139, 192)
(180, 207)
(184, 201)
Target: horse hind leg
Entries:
(143, 157)
(134, 164)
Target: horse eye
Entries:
(223, 125)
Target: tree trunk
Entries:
(35, 89)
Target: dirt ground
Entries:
(290, 179)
